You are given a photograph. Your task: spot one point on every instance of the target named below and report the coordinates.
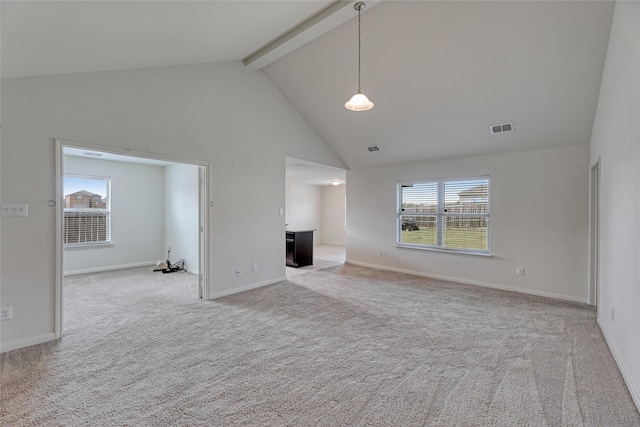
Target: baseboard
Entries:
(26, 342)
(245, 288)
(110, 268)
(626, 376)
(472, 282)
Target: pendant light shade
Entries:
(359, 101)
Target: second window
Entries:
(450, 215)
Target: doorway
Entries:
(594, 234)
(129, 232)
(315, 199)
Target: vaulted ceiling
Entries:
(440, 72)
(68, 36)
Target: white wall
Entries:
(304, 208)
(225, 114)
(539, 221)
(616, 141)
(137, 210)
(316, 207)
(181, 217)
(333, 214)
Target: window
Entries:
(87, 215)
(444, 215)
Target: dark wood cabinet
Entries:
(299, 248)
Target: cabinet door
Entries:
(290, 251)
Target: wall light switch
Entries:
(6, 313)
(14, 209)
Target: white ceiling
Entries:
(440, 73)
(102, 155)
(53, 37)
(313, 173)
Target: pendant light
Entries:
(359, 101)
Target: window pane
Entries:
(466, 198)
(445, 214)
(420, 198)
(419, 230)
(86, 227)
(86, 210)
(476, 191)
(86, 193)
(465, 232)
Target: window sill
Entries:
(444, 251)
(79, 246)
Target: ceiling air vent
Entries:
(507, 127)
(373, 148)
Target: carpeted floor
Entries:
(341, 346)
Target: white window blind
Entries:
(87, 210)
(451, 215)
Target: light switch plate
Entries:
(6, 313)
(14, 209)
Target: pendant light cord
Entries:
(359, 10)
(359, 101)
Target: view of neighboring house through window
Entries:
(87, 217)
(450, 215)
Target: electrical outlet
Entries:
(6, 313)
(613, 315)
(520, 271)
(238, 272)
(254, 267)
(379, 254)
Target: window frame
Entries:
(106, 211)
(441, 215)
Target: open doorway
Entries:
(315, 199)
(122, 210)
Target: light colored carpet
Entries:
(318, 264)
(341, 346)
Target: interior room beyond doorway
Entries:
(316, 200)
(144, 211)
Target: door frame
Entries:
(203, 215)
(594, 233)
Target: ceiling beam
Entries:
(322, 22)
